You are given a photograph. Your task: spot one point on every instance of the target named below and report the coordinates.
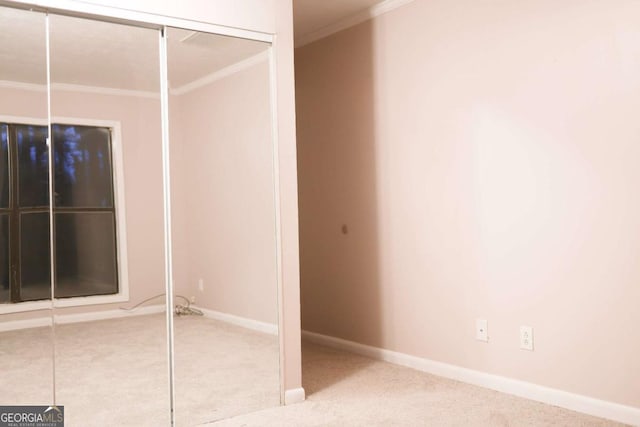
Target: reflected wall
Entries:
(223, 226)
(26, 364)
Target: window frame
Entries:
(120, 214)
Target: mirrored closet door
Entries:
(224, 232)
(26, 340)
(111, 176)
(107, 215)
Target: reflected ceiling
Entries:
(106, 55)
(78, 56)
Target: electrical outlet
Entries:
(526, 338)
(482, 333)
(192, 299)
(201, 285)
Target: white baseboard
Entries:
(90, 316)
(574, 402)
(256, 325)
(59, 319)
(295, 395)
(107, 314)
(15, 325)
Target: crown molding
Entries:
(181, 90)
(222, 73)
(33, 87)
(370, 13)
(105, 90)
(66, 87)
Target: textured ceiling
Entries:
(108, 55)
(101, 54)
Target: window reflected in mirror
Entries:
(91, 131)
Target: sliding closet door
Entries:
(26, 364)
(224, 240)
(111, 347)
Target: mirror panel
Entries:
(104, 334)
(111, 363)
(224, 248)
(26, 346)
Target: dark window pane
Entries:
(5, 295)
(85, 254)
(33, 161)
(82, 166)
(35, 255)
(4, 166)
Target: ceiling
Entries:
(101, 54)
(310, 16)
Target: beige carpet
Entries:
(348, 390)
(26, 367)
(114, 372)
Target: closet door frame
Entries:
(160, 23)
(130, 17)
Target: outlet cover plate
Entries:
(526, 338)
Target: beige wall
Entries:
(484, 157)
(24, 103)
(223, 201)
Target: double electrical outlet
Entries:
(526, 338)
(526, 334)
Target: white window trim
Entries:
(121, 223)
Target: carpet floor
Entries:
(113, 373)
(344, 389)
